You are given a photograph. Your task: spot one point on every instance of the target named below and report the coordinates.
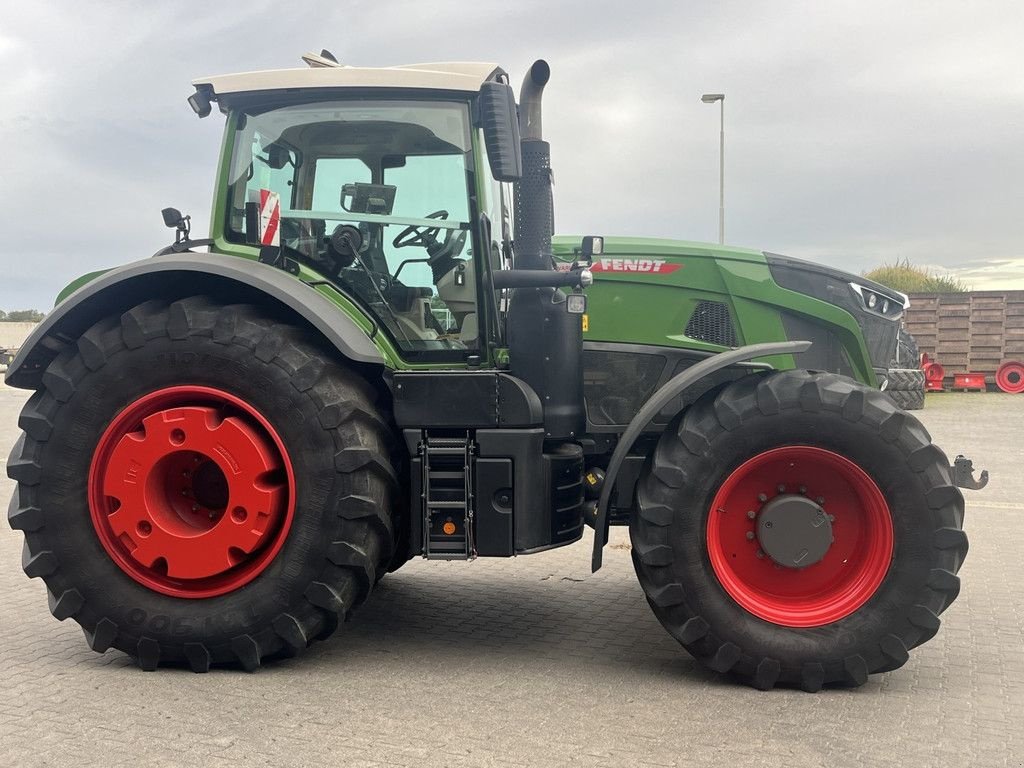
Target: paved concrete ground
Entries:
(535, 661)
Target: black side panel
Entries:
(445, 400)
(619, 378)
(518, 405)
(182, 275)
(412, 439)
(694, 392)
(617, 383)
(553, 515)
(494, 500)
(826, 353)
(526, 449)
(564, 476)
(547, 489)
(457, 399)
(545, 348)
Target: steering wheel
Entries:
(421, 236)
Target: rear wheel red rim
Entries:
(191, 491)
(1010, 377)
(852, 568)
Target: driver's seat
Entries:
(403, 298)
(469, 330)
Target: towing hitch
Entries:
(963, 474)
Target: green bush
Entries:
(21, 316)
(908, 278)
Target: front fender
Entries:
(174, 277)
(653, 407)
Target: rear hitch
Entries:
(963, 474)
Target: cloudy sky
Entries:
(857, 133)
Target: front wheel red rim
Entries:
(853, 565)
(191, 491)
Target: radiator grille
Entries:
(711, 323)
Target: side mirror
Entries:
(278, 157)
(200, 100)
(172, 217)
(181, 224)
(500, 123)
(592, 246)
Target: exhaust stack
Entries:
(529, 101)
(535, 216)
(545, 341)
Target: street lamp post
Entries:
(711, 98)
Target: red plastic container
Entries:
(969, 381)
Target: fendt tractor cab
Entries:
(380, 359)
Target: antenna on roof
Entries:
(324, 59)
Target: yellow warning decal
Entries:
(586, 323)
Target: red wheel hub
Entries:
(845, 573)
(1010, 377)
(190, 491)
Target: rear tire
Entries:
(332, 544)
(817, 638)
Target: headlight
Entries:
(879, 303)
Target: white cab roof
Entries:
(445, 75)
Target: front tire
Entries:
(201, 485)
(796, 448)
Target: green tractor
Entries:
(380, 358)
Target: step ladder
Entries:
(447, 483)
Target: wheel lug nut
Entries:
(803, 489)
(751, 514)
(831, 518)
(750, 535)
(820, 500)
(780, 488)
(760, 554)
(762, 497)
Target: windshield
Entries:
(376, 195)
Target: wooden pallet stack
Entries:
(972, 332)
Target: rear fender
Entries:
(652, 408)
(177, 276)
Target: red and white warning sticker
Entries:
(270, 217)
(659, 266)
